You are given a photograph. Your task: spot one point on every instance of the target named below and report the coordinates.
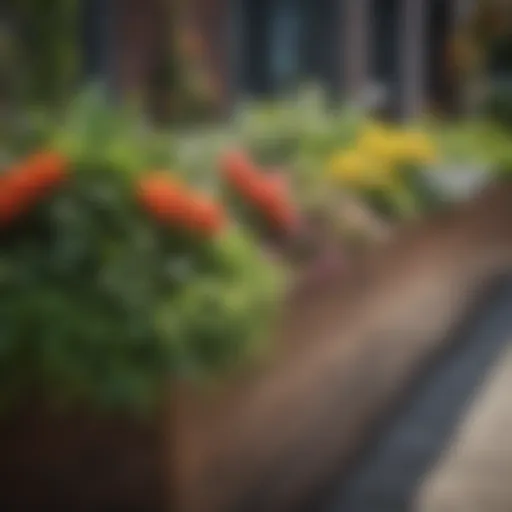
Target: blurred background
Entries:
(354, 117)
(404, 58)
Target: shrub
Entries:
(115, 279)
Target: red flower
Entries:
(206, 216)
(277, 207)
(173, 203)
(279, 181)
(47, 168)
(24, 185)
(238, 170)
(163, 198)
(269, 193)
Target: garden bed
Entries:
(267, 442)
(267, 439)
(136, 300)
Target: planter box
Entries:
(82, 461)
(266, 440)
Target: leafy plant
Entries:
(477, 141)
(499, 104)
(107, 290)
(47, 48)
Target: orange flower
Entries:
(163, 198)
(238, 170)
(48, 167)
(245, 178)
(270, 194)
(275, 204)
(279, 181)
(10, 205)
(25, 184)
(255, 191)
(207, 217)
(173, 203)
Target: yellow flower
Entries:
(380, 142)
(393, 147)
(355, 168)
(417, 148)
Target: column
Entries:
(355, 53)
(95, 39)
(412, 57)
(461, 10)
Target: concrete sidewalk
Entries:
(449, 448)
(475, 474)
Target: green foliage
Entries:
(298, 132)
(46, 44)
(219, 316)
(499, 104)
(101, 303)
(479, 142)
(284, 130)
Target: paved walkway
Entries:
(475, 474)
(441, 452)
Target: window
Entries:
(284, 42)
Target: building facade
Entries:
(358, 49)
